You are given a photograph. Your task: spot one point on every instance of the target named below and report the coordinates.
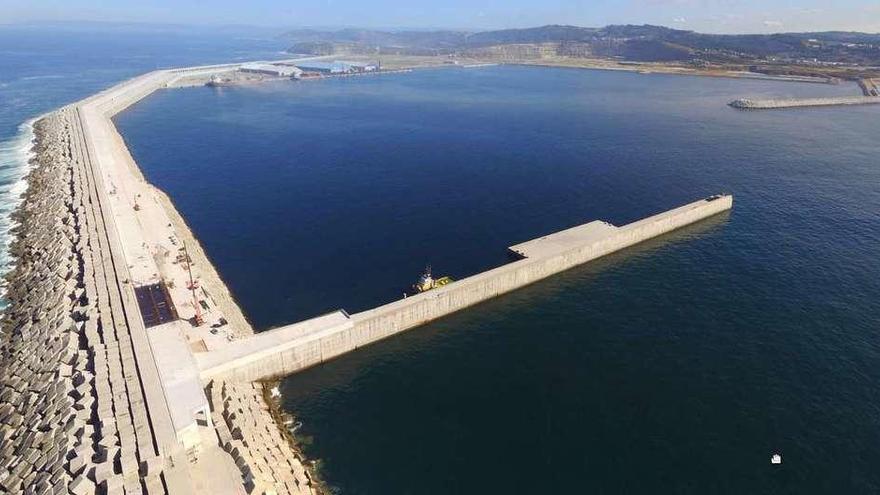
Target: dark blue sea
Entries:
(678, 366)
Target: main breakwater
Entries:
(86, 407)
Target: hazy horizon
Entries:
(709, 16)
(151, 26)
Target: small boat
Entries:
(219, 82)
(776, 459)
(427, 282)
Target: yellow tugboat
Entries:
(427, 282)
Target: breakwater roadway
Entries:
(769, 104)
(94, 401)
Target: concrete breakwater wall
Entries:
(768, 104)
(289, 349)
(378, 323)
(83, 406)
(202, 464)
(119, 97)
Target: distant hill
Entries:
(639, 43)
(544, 34)
(369, 41)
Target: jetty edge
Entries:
(870, 96)
(770, 104)
(114, 311)
(292, 348)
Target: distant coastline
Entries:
(649, 68)
(824, 55)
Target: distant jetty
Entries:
(769, 104)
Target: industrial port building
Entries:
(273, 70)
(337, 67)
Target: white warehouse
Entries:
(272, 70)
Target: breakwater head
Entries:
(769, 104)
(289, 349)
(129, 368)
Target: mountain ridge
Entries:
(648, 43)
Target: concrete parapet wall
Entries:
(389, 319)
(308, 349)
(274, 352)
(118, 98)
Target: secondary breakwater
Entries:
(769, 104)
(97, 402)
(295, 347)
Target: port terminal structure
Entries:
(289, 349)
(162, 403)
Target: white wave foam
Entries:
(47, 76)
(15, 157)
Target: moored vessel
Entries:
(427, 282)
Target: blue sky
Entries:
(733, 16)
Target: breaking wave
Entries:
(15, 155)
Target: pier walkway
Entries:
(289, 349)
(770, 104)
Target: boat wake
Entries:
(15, 155)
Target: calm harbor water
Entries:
(679, 366)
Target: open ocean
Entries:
(678, 366)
